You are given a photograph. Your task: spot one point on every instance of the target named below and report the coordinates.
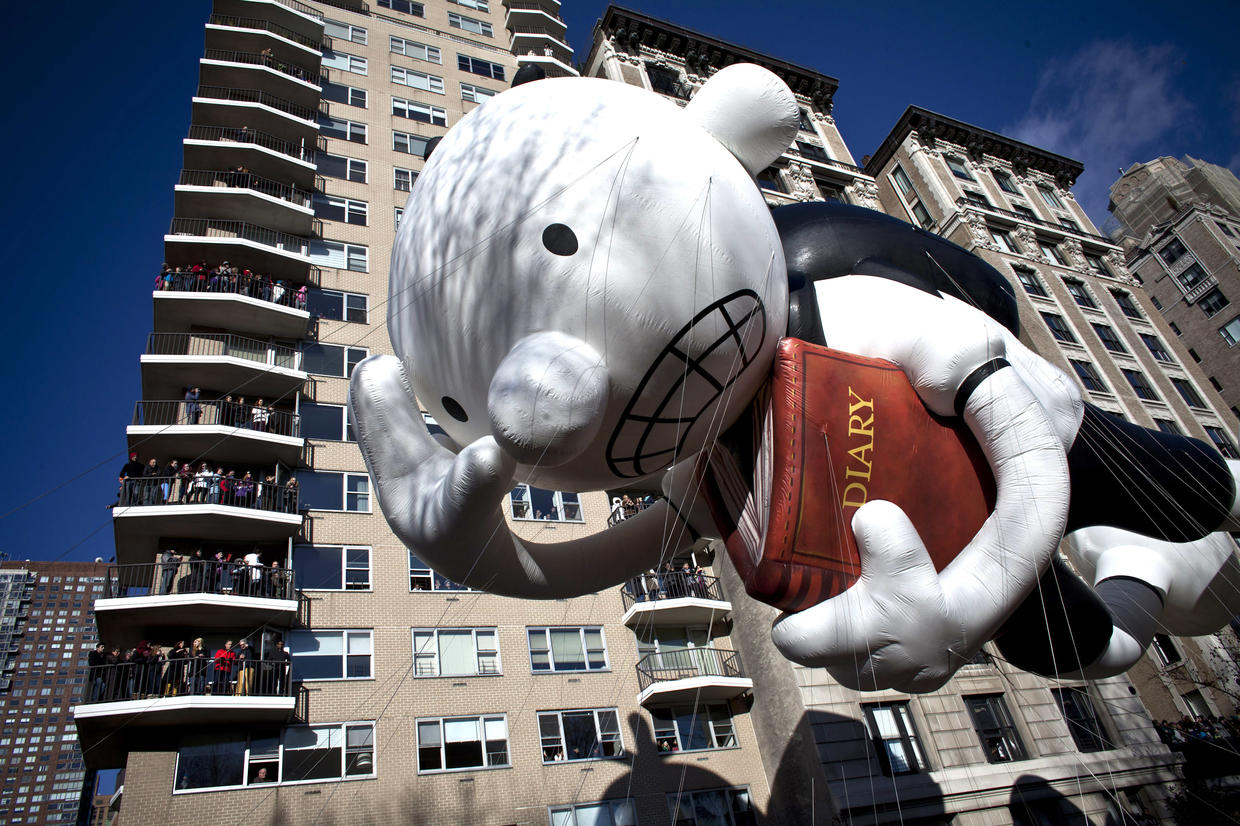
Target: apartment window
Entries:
(574, 648)
(476, 94)
(1188, 393)
(993, 724)
(1167, 426)
(478, 5)
(1222, 441)
(346, 130)
(895, 737)
(1088, 376)
(455, 652)
(1080, 293)
(409, 144)
(1078, 712)
(403, 179)
(344, 31)
(582, 734)
(901, 178)
(333, 491)
(422, 578)
(330, 655)
(1126, 305)
(922, 215)
(348, 95)
(1030, 281)
(1005, 181)
(478, 66)
(1176, 329)
(340, 209)
(297, 754)
(413, 110)
(600, 813)
(1231, 331)
(1197, 705)
(1024, 212)
(1165, 649)
(399, 213)
(328, 422)
(1096, 265)
(1003, 240)
(416, 9)
(958, 168)
(338, 166)
(469, 24)
(1157, 304)
(1049, 197)
(1172, 252)
(693, 727)
(417, 80)
(1192, 276)
(414, 49)
(1140, 384)
(337, 305)
(344, 62)
(727, 807)
(526, 502)
(1213, 302)
(1069, 224)
(1051, 251)
(1059, 328)
(340, 256)
(803, 122)
(1156, 348)
(454, 743)
(331, 359)
(331, 567)
(1225, 229)
(976, 198)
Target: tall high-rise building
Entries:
(46, 635)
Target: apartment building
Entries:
(46, 634)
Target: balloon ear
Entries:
(750, 111)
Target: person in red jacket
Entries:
(225, 661)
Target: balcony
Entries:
(265, 154)
(240, 33)
(244, 196)
(280, 255)
(691, 674)
(293, 15)
(223, 430)
(552, 65)
(266, 71)
(256, 109)
(247, 304)
(231, 363)
(674, 598)
(142, 601)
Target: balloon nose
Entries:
(547, 398)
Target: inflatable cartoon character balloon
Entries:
(588, 288)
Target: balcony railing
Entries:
(259, 59)
(349, 5)
(264, 98)
(191, 676)
(233, 134)
(620, 512)
(212, 489)
(301, 7)
(264, 25)
(687, 663)
(223, 344)
(656, 587)
(250, 286)
(217, 412)
(215, 228)
(245, 180)
(965, 202)
(183, 576)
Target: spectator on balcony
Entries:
(245, 669)
(165, 279)
(228, 488)
(273, 582)
(200, 488)
(168, 563)
(628, 506)
(259, 415)
(241, 411)
(156, 661)
(652, 584)
(277, 292)
(225, 662)
(279, 664)
(150, 481)
(269, 493)
(243, 135)
(252, 578)
(135, 670)
(222, 568)
(115, 677)
(130, 482)
(301, 297)
(97, 667)
(198, 665)
(168, 482)
(290, 495)
(245, 491)
(185, 480)
(193, 410)
(267, 57)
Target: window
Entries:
(1231, 331)
(958, 168)
(1167, 426)
(1052, 253)
(478, 5)
(976, 198)
(455, 652)
(1225, 229)
(1126, 305)
(409, 144)
(417, 80)
(1003, 240)
(1024, 212)
(725, 807)
(469, 24)
(340, 209)
(329, 422)
(1078, 713)
(344, 31)
(413, 110)
(922, 216)
(1069, 224)
(399, 213)
(1140, 384)
(1030, 281)
(1157, 304)
(1156, 348)
(325, 490)
(475, 93)
(1005, 181)
(1188, 393)
(338, 751)
(602, 813)
(403, 179)
(411, 48)
(346, 130)
(894, 737)
(1059, 328)
(1175, 328)
(1213, 302)
(331, 359)
(901, 178)
(449, 743)
(1192, 276)
(1196, 704)
(1049, 197)
(526, 502)
(422, 578)
(1165, 649)
(340, 256)
(584, 734)
(344, 62)
(1080, 293)
(478, 66)
(331, 567)
(338, 166)
(567, 649)
(406, 6)
(1088, 376)
(813, 151)
(1172, 252)
(348, 95)
(337, 305)
(1096, 265)
(330, 655)
(693, 728)
(1222, 441)
(999, 738)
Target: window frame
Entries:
(601, 737)
(349, 357)
(1175, 249)
(473, 96)
(1049, 197)
(474, 65)
(475, 26)
(346, 635)
(1229, 335)
(1066, 335)
(344, 567)
(436, 656)
(1088, 374)
(352, 63)
(353, 255)
(1222, 441)
(1097, 265)
(681, 804)
(1111, 337)
(408, 138)
(1052, 252)
(402, 76)
(586, 651)
(347, 312)
(1037, 288)
(435, 579)
(716, 720)
(404, 6)
(558, 501)
(396, 182)
(477, 5)
(1006, 727)
(426, 48)
(350, 210)
(958, 167)
(1127, 304)
(906, 736)
(1004, 240)
(1080, 293)
(1163, 646)
(350, 31)
(1188, 393)
(1210, 307)
(354, 131)
(481, 720)
(1156, 347)
(349, 168)
(346, 478)
(435, 115)
(621, 810)
(347, 433)
(1140, 384)
(1005, 182)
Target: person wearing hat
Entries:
(129, 481)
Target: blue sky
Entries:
(96, 115)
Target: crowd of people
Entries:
(227, 278)
(626, 506)
(177, 483)
(239, 575)
(234, 412)
(1212, 729)
(670, 582)
(149, 671)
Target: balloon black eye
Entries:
(559, 239)
(454, 409)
